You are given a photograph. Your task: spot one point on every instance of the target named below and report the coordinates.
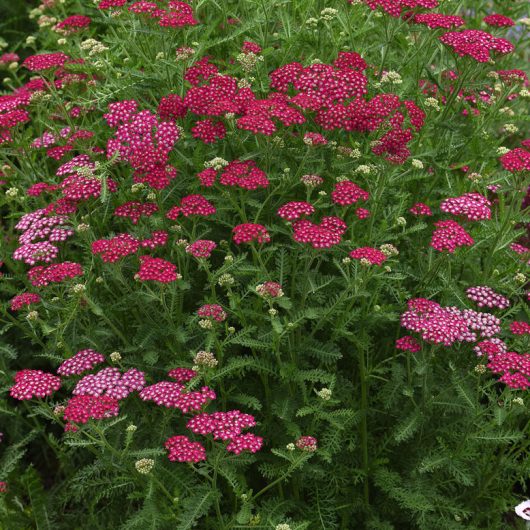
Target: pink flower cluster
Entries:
(436, 324)
(135, 210)
(182, 449)
(192, 205)
(476, 44)
(514, 367)
(173, 395)
(421, 209)
(182, 375)
(438, 20)
(347, 192)
(24, 299)
(55, 273)
(213, 311)
(486, 296)
(294, 210)
(110, 382)
(408, 343)
(248, 232)
(112, 250)
(45, 61)
(307, 443)
(34, 383)
(80, 409)
(157, 270)
(520, 328)
(324, 235)
(228, 426)
(82, 361)
(516, 160)
(472, 206)
(449, 235)
(143, 141)
(373, 255)
(202, 248)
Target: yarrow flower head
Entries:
(347, 192)
(408, 343)
(41, 275)
(472, 206)
(80, 409)
(374, 256)
(476, 44)
(82, 361)
(325, 235)
(182, 449)
(270, 290)
(449, 235)
(421, 209)
(436, 324)
(157, 269)
(45, 61)
(24, 300)
(173, 395)
(212, 311)
(294, 210)
(248, 232)
(487, 297)
(34, 383)
(307, 443)
(182, 375)
(520, 328)
(202, 248)
(111, 382)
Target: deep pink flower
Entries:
(34, 383)
(347, 192)
(295, 210)
(223, 425)
(248, 232)
(498, 21)
(244, 175)
(172, 395)
(135, 210)
(245, 442)
(192, 205)
(476, 44)
(517, 159)
(24, 299)
(307, 443)
(372, 255)
(80, 409)
(420, 209)
(42, 275)
(449, 235)
(112, 250)
(156, 269)
(110, 382)
(208, 131)
(202, 248)
(486, 296)
(82, 361)
(408, 343)
(438, 20)
(213, 311)
(182, 449)
(45, 61)
(520, 328)
(472, 206)
(182, 375)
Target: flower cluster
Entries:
(82, 361)
(34, 383)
